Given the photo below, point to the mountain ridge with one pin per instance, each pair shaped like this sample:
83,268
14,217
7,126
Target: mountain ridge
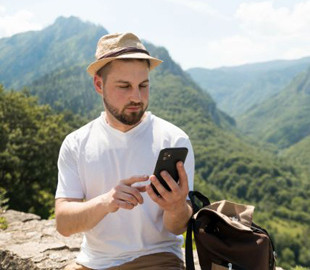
284,118
237,89
46,50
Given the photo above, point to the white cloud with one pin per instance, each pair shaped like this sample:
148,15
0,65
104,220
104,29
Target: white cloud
264,20
20,21
297,52
267,33
199,6
2,9
235,50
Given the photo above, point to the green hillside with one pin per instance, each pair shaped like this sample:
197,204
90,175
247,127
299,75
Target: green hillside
227,165
283,119
299,153
236,89
67,88
27,56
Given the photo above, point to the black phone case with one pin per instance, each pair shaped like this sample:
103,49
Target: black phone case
167,161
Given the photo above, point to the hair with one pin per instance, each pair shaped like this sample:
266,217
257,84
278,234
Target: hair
103,72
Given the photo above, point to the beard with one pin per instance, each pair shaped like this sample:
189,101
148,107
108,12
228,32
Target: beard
126,119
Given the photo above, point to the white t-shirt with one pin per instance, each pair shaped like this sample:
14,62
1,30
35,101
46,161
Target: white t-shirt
93,159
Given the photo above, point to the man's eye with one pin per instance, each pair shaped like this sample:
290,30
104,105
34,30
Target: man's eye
124,86
144,85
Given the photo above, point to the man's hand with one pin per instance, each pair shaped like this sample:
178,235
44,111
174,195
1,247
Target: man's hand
75,215
176,210
124,195
174,199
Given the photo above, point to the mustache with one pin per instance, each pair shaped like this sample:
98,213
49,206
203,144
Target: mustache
136,104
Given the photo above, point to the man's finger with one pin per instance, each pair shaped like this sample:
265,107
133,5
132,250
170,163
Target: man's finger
153,195
158,186
130,191
141,188
183,183
172,184
129,198
124,204
135,179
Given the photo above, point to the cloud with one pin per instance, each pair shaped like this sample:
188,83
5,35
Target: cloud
267,33
20,21
235,50
199,6
265,20
2,9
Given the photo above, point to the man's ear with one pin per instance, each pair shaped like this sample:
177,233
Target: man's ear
98,83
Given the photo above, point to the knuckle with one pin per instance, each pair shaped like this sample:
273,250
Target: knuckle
117,188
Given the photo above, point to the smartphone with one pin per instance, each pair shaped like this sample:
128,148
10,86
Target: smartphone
167,160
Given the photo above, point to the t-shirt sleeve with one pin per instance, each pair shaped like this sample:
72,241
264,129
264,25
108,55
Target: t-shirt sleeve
69,182
189,162
190,166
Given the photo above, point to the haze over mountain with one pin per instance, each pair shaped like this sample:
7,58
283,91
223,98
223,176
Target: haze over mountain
227,165
236,89
283,119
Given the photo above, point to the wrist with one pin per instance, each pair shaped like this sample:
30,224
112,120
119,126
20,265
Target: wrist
183,209
176,220
106,205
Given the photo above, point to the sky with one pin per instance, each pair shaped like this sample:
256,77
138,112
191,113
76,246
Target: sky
197,33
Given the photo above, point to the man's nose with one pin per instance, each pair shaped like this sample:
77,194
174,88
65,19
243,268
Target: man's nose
136,94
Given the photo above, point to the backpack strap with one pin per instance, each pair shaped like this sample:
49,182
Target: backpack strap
193,195
189,258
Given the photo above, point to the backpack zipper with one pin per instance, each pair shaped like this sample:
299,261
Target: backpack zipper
230,266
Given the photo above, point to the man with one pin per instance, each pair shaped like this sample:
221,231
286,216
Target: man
105,170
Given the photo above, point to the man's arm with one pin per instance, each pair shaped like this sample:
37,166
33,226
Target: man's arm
75,215
176,221
177,210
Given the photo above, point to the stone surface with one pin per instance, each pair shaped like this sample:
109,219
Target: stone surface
30,243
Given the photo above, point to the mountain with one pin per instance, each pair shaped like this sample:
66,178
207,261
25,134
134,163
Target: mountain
30,55
228,165
236,89
299,153
283,119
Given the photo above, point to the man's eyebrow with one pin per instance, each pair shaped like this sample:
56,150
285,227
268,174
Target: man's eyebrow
122,81
145,81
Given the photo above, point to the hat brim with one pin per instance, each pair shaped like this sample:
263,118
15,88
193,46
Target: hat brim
96,65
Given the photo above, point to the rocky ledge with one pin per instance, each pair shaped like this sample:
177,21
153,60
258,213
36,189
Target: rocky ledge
31,243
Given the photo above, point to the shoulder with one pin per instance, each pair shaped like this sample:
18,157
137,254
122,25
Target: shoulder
167,127
77,137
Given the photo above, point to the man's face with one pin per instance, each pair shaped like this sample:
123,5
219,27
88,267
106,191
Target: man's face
125,92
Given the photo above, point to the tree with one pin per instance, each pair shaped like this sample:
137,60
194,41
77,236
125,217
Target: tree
31,136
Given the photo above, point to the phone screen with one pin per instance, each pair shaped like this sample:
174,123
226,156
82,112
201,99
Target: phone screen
167,160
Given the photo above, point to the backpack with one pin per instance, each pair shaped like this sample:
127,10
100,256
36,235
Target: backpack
226,237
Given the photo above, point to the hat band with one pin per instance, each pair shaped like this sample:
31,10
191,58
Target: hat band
122,51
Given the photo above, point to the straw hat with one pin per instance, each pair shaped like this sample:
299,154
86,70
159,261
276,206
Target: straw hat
120,46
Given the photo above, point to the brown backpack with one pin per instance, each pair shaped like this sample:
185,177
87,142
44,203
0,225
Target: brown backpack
226,237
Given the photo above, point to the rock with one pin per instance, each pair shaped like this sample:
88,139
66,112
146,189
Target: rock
30,243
